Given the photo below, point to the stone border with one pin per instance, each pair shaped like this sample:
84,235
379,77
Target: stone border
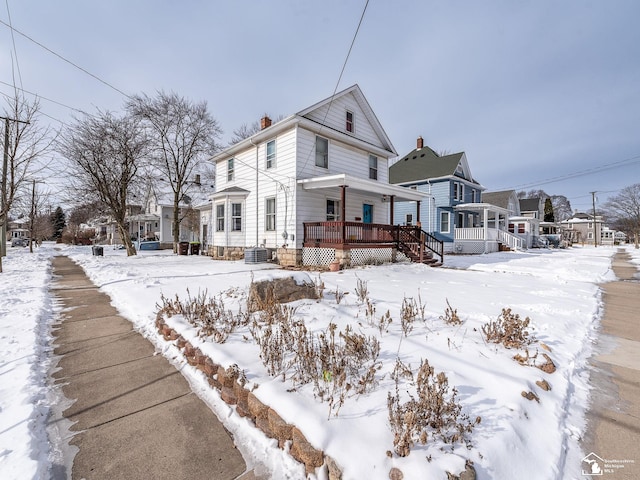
265,418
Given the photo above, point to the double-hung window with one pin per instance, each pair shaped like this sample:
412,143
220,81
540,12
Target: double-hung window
236,217
444,222
373,167
271,154
322,152
458,191
270,214
350,122
230,170
220,218
333,210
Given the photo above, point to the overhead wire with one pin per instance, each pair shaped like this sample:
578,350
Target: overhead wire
590,171
13,40
65,59
335,89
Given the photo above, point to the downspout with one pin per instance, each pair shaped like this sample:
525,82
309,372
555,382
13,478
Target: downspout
257,199
227,218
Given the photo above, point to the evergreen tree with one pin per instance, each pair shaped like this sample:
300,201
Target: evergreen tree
548,211
58,221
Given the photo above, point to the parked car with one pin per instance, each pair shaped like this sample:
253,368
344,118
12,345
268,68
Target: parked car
19,242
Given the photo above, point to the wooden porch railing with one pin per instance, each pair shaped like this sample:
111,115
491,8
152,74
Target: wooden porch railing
358,233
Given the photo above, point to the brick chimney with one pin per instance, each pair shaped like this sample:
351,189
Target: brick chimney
265,122
420,143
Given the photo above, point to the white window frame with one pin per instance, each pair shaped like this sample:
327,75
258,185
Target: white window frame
236,217
373,167
220,218
458,191
230,170
324,156
270,214
335,216
446,214
270,158
408,219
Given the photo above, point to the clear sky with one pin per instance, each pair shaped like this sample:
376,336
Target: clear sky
532,90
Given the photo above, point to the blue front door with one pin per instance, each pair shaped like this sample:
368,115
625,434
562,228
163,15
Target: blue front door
367,213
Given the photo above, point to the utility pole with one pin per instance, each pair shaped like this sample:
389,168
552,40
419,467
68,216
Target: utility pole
3,207
595,225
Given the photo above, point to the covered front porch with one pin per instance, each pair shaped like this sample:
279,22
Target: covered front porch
361,240
490,235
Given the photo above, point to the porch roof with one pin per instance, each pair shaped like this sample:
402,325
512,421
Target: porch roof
144,217
364,185
482,207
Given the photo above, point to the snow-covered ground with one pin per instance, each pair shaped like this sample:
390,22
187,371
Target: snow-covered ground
516,438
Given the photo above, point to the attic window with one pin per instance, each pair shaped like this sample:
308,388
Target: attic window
414,157
350,122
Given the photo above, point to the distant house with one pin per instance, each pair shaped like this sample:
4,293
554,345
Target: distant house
18,229
587,229
153,221
310,189
523,224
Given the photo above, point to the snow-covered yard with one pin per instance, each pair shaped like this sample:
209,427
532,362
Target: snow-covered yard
516,437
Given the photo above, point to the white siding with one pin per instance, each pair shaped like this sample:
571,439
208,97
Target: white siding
342,159
334,113
278,182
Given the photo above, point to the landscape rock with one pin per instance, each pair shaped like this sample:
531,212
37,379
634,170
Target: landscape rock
281,290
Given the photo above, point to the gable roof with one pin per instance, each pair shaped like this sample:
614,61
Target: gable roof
530,204
424,164
306,120
364,106
499,199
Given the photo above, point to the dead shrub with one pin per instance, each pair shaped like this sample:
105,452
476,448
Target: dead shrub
208,315
433,412
450,316
408,315
509,330
362,290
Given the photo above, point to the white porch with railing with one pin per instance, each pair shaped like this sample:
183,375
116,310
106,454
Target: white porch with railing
488,237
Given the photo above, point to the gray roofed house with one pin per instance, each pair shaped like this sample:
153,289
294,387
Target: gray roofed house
532,207
447,180
506,199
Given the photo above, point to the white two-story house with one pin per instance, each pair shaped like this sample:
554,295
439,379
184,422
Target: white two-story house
309,189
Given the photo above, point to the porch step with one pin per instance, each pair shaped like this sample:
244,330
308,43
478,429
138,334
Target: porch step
428,258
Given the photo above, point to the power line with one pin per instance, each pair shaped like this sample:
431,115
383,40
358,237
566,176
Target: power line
581,173
13,40
45,98
64,59
335,89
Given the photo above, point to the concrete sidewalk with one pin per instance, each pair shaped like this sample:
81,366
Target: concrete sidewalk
613,432
135,414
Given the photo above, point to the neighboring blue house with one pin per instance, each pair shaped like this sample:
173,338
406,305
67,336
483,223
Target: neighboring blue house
450,185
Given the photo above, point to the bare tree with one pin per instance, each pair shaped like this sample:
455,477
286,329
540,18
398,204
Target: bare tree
107,152
26,145
183,135
624,211
40,226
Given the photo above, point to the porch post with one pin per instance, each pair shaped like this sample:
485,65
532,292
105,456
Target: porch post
343,210
486,226
391,197
418,222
